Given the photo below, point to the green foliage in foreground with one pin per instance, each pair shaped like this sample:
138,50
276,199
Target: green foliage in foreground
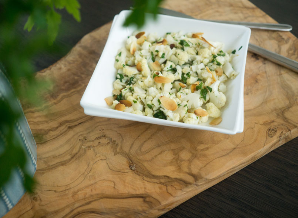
17,53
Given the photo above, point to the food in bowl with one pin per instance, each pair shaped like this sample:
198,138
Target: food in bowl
178,77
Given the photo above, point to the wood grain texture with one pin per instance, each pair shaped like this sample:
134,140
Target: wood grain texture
90,166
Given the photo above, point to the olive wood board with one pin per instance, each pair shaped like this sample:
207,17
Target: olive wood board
99,167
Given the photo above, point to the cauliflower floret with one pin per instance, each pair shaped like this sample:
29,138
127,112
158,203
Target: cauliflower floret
120,58
223,78
181,110
148,112
191,118
118,85
129,41
152,91
174,59
221,59
114,104
216,97
182,93
212,110
152,37
145,68
191,80
222,87
182,56
205,52
229,71
129,71
167,88
194,100
138,112
149,82
146,45
128,109
136,105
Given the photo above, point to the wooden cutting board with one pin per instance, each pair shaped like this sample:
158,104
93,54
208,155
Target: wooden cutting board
91,166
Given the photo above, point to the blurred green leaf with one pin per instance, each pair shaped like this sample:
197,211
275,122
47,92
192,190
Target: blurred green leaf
54,20
29,24
140,8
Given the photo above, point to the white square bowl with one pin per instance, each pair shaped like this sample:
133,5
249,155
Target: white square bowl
101,83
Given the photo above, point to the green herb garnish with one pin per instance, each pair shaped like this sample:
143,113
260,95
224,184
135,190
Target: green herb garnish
120,77
160,115
184,43
131,89
234,51
163,55
135,101
117,60
200,86
119,97
159,102
239,48
154,75
152,57
130,81
119,54
209,88
150,106
221,53
204,93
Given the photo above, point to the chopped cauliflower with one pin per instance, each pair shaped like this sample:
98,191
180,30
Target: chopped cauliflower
169,77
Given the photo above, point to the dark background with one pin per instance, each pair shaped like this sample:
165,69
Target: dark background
266,188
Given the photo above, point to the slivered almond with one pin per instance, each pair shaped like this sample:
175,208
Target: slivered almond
109,100
162,79
120,107
156,66
200,112
209,71
197,35
168,103
141,40
205,40
133,48
139,67
163,42
216,121
116,92
126,103
182,85
193,88
140,34
219,71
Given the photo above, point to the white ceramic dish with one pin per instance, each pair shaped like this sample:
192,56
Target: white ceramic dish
101,83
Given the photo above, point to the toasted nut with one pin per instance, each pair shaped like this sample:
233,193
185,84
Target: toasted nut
216,121
156,66
168,103
163,42
212,73
197,35
200,112
182,85
207,42
139,67
141,40
219,71
190,110
140,34
172,46
193,88
162,79
116,92
133,48
126,103
120,107
109,100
